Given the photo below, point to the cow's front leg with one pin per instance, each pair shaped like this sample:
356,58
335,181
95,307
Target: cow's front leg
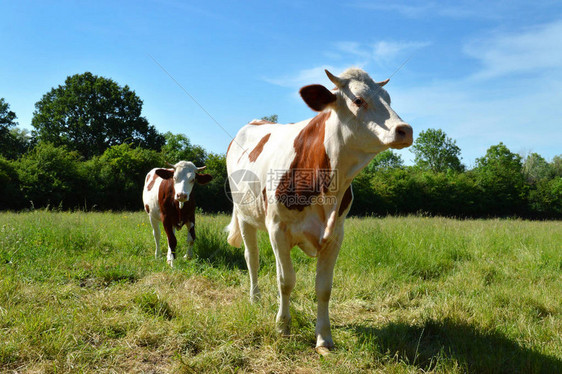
285,277
156,233
172,243
190,241
324,278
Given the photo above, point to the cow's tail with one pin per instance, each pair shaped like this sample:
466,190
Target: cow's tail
234,234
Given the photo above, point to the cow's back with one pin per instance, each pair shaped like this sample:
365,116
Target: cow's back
150,191
253,158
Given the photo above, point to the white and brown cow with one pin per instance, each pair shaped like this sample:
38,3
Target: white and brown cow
167,199
300,175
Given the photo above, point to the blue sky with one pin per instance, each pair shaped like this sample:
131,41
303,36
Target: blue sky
482,71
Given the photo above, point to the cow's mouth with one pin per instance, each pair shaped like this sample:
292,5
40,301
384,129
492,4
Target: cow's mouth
401,145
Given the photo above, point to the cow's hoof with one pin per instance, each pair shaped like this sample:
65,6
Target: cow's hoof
323,351
284,329
255,297
283,324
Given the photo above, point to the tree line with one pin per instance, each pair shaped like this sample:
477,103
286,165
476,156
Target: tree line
90,148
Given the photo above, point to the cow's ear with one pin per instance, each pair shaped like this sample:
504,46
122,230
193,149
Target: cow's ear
317,97
203,178
165,173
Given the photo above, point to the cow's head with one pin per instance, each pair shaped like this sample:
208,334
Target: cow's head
364,106
184,174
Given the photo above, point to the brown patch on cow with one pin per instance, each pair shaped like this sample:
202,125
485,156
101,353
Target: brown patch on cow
259,122
151,184
229,144
253,156
170,213
242,155
147,208
345,201
309,174
264,193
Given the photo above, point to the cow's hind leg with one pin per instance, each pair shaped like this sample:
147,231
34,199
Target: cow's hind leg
251,254
172,243
285,277
156,233
190,241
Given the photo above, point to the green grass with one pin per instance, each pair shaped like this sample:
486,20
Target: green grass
81,292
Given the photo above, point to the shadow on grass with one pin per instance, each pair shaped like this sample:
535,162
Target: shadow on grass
215,250
436,342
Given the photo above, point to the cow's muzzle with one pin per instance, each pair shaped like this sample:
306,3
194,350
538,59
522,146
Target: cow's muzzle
181,198
403,136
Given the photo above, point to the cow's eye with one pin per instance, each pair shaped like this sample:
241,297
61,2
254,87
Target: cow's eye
358,101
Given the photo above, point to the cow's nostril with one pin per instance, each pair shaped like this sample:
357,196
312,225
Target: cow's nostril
403,131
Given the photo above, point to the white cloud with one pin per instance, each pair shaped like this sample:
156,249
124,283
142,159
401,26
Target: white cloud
386,53
461,9
381,51
305,77
525,118
532,51
353,48
514,95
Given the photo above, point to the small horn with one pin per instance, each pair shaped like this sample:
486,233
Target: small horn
335,80
201,168
170,165
383,82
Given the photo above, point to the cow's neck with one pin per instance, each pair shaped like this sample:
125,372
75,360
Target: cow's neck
345,156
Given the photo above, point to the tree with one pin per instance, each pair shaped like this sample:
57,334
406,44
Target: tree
556,165
434,151
178,148
212,196
499,174
272,118
8,143
50,175
535,168
116,178
7,117
20,142
384,161
10,196
90,114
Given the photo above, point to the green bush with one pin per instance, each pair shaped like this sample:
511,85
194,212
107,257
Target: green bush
116,178
50,176
10,196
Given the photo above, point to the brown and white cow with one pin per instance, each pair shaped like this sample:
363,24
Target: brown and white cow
295,181
167,199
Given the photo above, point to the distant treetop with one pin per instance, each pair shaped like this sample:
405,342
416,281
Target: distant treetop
90,114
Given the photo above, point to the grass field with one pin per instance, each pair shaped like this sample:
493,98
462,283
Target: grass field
81,292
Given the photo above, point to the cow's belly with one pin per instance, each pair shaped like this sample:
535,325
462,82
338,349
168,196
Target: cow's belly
253,215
